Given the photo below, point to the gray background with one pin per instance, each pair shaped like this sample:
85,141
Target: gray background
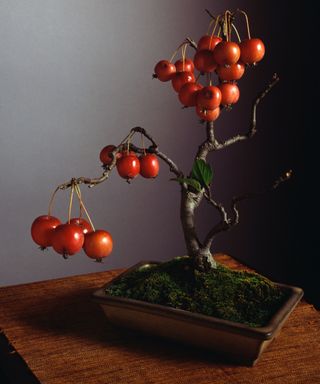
75,76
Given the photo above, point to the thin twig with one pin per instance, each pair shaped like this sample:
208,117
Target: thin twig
91,182
210,14
218,206
253,128
236,200
225,224
192,43
210,144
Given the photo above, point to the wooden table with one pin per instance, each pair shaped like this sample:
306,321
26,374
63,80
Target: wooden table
54,333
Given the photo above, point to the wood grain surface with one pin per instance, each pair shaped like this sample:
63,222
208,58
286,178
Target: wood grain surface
64,338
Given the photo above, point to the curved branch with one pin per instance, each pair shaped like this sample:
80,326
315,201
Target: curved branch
210,14
236,200
218,206
210,144
192,43
225,224
121,147
144,133
253,128
172,166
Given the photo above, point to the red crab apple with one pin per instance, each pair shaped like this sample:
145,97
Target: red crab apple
209,97
184,65
188,94
105,157
252,51
229,93
164,70
226,53
207,114
208,42
67,239
181,78
128,166
98,244
149,166
204,61
83,224
42,229
232,72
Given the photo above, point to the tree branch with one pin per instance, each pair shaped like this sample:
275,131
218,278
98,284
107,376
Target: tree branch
236,200
125,143
172,166
218,206
210,14
210,144
192,43
225,224
253,128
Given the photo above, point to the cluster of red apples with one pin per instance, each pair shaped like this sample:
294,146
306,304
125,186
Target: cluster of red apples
77,233
129,165
224,57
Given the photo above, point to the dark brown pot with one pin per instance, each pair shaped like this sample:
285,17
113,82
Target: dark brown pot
237,342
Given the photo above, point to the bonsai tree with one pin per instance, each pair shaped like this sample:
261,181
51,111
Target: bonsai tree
220,62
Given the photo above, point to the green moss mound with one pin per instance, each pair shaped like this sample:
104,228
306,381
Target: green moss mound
239,296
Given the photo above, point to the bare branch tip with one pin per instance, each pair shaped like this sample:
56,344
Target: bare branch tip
210,14
191,42
288,174
284,177
275,77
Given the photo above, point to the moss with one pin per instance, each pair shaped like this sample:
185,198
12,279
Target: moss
239,296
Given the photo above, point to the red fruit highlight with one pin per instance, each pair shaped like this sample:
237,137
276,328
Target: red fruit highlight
98,244
164,70
42,229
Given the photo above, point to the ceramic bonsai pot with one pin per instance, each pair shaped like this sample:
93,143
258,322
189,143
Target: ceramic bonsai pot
237,342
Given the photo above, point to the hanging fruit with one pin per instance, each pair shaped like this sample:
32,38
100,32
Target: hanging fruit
220,62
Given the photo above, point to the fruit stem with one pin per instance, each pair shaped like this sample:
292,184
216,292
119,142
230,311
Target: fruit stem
214,20
52,199
143,145
236,31
183,54
176,51
78,192
228,16
209,26
247,22
71,200
214,29
225,26
80,206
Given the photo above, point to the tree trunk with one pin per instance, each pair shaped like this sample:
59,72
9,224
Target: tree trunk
202,257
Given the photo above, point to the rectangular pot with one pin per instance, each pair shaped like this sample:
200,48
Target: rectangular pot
237,342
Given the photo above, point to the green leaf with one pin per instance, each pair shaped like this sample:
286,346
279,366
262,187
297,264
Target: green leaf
192,182
202,172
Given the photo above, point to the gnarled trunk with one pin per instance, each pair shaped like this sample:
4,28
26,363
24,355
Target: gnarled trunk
201,255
